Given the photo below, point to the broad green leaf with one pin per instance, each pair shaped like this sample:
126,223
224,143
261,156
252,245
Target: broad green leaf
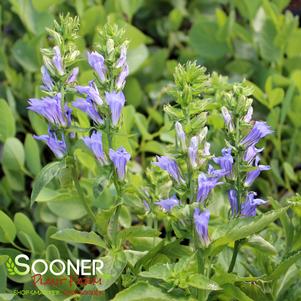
154,147
45,4
204,39
48,172
146,292
201,282
136,57
114,264
92,17
24,225
25,53
74,236
32,154
244,227
230,290
259,243
3,259
13,157
133,92
289,171
284,266
7,121
34,21
275,97
137,231
141,123
7,228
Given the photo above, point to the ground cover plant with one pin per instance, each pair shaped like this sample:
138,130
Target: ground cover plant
186,194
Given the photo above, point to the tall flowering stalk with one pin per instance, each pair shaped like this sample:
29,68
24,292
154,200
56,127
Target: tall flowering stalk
101,99
243,135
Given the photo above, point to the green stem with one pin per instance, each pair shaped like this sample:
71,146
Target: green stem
234,256
81,193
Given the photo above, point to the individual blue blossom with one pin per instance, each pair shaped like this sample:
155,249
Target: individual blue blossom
201,221
58,147
97,62
225,161
251,153
116,101
205,185
122,77
227,119
259,130
91,91
87,106
120,157
248,116
94,143
248,208
181,135
253,174
168,204
170,166
57,60
51,108
146,205
73,76
122,59
193,151
46,79
218,173
232,195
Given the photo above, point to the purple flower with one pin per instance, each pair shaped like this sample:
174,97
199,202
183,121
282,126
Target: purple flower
46,79
94,143
193,151
251,152
122,59
57,60
87,106
120,157
51,109
181,135
116,101
73,76
146,205
226,161
218,173
58,147
168,204
96,61
91,91
206,149
248,116
259,130
122,77
201,220
232,195
248,208
227,119
205,185
170,166
252,175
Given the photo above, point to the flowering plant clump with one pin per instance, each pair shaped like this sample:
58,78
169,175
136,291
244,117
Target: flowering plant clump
184,225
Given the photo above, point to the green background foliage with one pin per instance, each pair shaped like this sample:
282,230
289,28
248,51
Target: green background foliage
258,40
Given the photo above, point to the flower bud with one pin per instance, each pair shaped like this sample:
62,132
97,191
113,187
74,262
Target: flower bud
181,135
227,119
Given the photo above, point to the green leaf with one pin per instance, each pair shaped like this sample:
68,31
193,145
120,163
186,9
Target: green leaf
3,259
283,266
259,243
141,123
13,157
91,18
230,290
7,228
275,97
204,40
136,57
35,22
114,264
154,147
32,154
24,225
146,291
289,171
7,121
201,282
244,227
137,231
48,172
74,236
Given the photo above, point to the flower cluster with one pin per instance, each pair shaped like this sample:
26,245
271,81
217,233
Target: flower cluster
102,99
195,172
